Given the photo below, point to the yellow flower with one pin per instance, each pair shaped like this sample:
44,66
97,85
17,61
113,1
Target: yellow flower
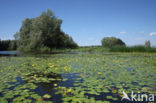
51,66
69,90
35,75
55,84
99,73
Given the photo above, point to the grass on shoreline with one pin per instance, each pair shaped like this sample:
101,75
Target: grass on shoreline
98,49
113,49
133,49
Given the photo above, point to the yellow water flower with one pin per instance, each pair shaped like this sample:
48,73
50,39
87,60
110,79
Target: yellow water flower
69,90
51,66
55,84
99,73
35,75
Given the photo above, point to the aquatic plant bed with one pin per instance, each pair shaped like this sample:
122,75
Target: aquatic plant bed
76,78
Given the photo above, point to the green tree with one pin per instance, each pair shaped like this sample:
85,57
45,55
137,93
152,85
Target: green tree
13,45
5,44
17,36
112,42
147,44
43,31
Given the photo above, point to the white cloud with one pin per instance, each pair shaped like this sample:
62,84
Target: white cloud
122,32
152,34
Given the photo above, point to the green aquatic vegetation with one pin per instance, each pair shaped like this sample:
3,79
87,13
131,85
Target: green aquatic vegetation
19,99
106,102
46,96
9,94
77,78
3,100
105,90
109,97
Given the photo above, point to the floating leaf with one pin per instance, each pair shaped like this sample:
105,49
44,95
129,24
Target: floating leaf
47,96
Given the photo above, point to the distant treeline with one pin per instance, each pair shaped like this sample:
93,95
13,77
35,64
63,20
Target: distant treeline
117,45
8,45
139,48
113,44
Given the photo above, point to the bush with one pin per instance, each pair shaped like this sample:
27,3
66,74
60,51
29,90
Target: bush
112,42
44,49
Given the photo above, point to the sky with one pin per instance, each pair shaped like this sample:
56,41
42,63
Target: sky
87,21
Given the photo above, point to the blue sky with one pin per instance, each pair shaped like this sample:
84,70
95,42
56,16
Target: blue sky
87,21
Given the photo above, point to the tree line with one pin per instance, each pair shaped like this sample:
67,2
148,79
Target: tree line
8,45
110,42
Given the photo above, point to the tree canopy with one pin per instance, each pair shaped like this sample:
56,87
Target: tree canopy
8,45
112,42
41,32
147,44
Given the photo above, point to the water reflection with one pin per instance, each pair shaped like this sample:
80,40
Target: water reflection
9,53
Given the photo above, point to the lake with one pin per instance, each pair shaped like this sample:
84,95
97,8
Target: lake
75,77
9,53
